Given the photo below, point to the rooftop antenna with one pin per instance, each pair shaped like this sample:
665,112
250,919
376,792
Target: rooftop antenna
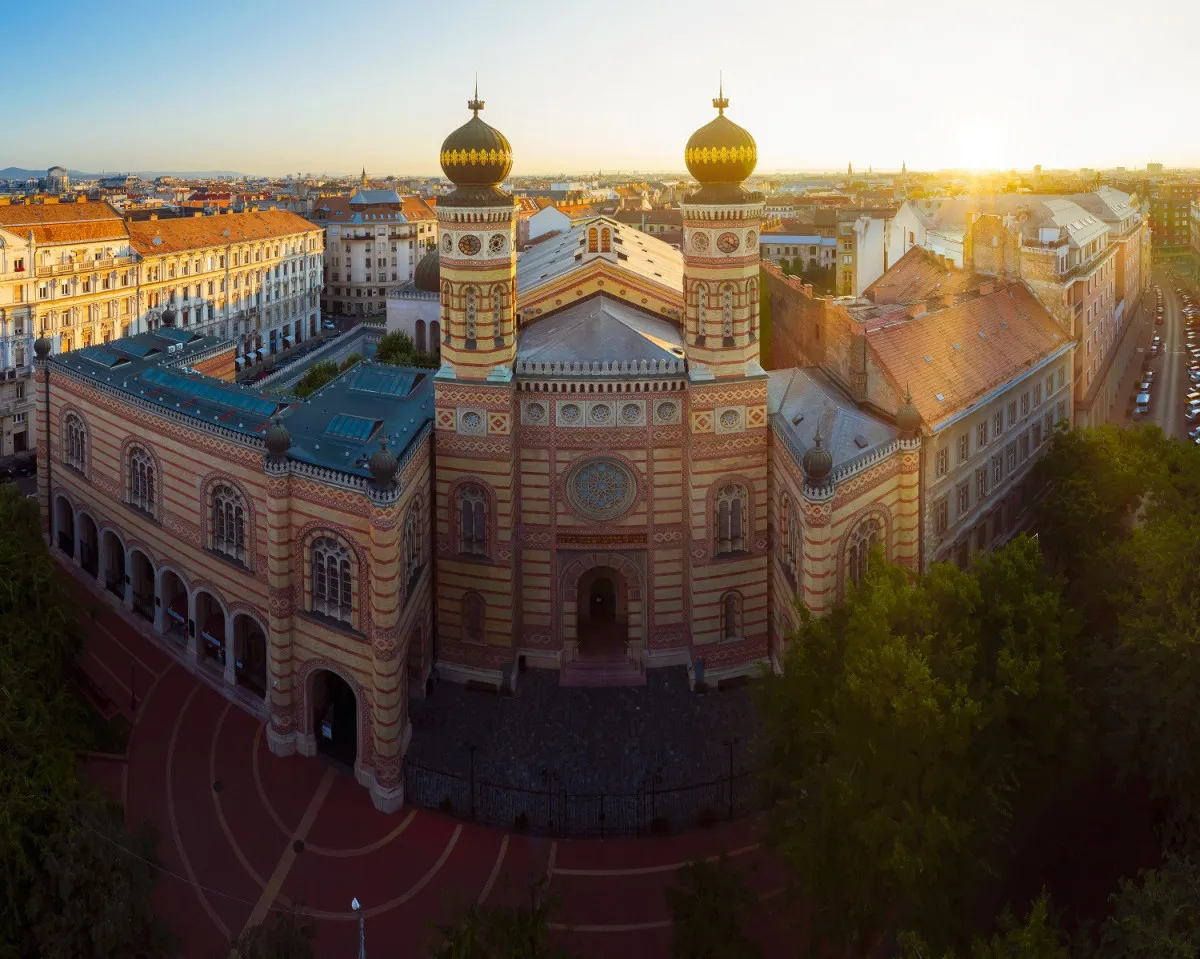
721,102
475,103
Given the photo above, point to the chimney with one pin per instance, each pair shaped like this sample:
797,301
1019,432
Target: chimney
915,309
949,299
154,216
987,289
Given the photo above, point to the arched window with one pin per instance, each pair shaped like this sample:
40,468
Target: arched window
473,618
701,312
435,337
731,616
497,312
471,310
727,312
865,535
789,538
420,337
752,288
332,584
472,521
414,542
229,523
592,239
141,480
606,240
731,519
75,442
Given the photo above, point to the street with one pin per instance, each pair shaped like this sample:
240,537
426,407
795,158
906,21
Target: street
1170,369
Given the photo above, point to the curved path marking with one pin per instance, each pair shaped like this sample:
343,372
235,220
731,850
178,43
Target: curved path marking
630,927
132,655
401,899
187,865
649,870
495,873
313,847
212,777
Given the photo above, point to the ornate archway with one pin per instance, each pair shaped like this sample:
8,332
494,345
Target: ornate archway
584,584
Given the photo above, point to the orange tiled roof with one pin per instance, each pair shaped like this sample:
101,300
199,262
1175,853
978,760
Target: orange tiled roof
63,222
189,233
415,208
965,351
917,276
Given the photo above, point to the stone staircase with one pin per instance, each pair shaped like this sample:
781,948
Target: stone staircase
602,672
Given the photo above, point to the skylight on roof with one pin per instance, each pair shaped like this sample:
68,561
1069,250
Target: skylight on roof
354,428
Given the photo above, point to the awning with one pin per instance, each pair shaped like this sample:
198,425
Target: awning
240,361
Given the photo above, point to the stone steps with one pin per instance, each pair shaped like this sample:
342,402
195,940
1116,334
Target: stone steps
583,672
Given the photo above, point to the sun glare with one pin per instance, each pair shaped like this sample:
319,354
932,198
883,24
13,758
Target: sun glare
980,146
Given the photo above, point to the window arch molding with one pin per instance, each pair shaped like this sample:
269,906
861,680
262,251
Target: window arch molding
131,447
415,553
712,507
75,441
457,491
311,539
790,546
856,538
208,488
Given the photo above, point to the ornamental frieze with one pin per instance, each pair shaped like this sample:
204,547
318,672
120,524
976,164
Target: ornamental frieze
184,529
852,489
486,447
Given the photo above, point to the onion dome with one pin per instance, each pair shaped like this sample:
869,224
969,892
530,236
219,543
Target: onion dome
721,152
908,420
476,154
168,316
817,461
383,465
279,440
428,274
41,347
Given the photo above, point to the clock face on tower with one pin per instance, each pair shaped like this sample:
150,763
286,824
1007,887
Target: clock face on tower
727,242
497,243
468,245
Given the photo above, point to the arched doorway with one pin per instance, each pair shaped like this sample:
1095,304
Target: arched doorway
174,607
420,337
603,624
89,545
64,522
334,717
141,577
114,563
250,654
210,630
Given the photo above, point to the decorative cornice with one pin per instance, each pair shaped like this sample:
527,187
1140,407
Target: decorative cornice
598,368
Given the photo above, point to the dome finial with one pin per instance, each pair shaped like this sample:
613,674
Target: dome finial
475,103
722,101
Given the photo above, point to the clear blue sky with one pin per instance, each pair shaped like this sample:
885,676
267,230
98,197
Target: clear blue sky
277,86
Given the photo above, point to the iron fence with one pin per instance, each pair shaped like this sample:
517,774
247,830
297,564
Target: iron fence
556,811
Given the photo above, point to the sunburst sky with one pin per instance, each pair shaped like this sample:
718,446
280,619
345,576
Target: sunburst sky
279,86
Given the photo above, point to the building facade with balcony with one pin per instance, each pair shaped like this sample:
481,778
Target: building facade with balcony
373,241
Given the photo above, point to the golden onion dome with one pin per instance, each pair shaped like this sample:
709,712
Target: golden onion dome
476,154
721,151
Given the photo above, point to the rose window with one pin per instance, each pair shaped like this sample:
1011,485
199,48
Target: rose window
601,414
730,419
630,412
570,413
472,420
535,412
700,242
666,411
601,488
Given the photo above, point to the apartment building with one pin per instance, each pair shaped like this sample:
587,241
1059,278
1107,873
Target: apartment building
373,241
1170,212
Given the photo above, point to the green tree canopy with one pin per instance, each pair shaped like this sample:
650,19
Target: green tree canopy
1156,917
709,912
502,932
397,348
281,935
315,377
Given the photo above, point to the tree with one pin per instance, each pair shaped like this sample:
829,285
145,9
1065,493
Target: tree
898,731
1038,937
397,348
502,932
709,909
282,935
1157,917
317,376
349,361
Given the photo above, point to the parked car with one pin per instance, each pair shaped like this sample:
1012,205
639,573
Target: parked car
1142,405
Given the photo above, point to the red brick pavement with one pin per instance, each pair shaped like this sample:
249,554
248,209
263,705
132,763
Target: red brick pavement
222,846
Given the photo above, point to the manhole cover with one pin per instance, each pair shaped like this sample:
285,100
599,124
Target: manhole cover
218,786
298,846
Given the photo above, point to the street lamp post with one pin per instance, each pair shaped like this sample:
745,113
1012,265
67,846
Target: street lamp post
362,939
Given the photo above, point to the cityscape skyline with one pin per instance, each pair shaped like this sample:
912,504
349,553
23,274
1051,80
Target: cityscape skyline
898,97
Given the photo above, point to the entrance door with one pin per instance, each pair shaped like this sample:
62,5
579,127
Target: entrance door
335,718
603,601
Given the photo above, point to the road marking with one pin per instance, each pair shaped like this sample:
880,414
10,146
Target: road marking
183,857
262,793
116,679
146,699
487,888
650,870
288,859
132,655
550,861
212,778
370,847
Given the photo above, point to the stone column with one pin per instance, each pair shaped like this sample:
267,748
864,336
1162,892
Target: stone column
191,629
75,528
127,598
101,560
160,611
381,594
283,695
230,653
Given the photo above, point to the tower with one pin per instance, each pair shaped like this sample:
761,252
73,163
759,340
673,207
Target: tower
727,396
477,509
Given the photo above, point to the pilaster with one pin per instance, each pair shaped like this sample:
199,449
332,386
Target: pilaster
389,726
283,694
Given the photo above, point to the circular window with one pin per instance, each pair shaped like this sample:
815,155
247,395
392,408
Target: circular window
535,412
666,411
630,412
751,240
601,414
497,243
469,245
601,488
730,419
700,242
471,420
570,413
727,242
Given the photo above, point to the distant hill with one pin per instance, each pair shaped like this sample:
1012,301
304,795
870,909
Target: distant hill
19,173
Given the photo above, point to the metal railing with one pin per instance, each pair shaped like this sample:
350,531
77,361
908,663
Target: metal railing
556,811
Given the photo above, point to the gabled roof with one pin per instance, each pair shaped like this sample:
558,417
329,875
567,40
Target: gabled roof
951,357
63,222
194,232
919,276
364,197
599,329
